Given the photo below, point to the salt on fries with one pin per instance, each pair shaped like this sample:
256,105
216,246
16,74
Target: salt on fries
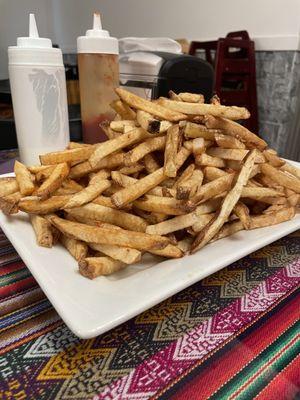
174,175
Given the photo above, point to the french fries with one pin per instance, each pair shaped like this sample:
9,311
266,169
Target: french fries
234,113
54,181
91,267
124,254
110,215
172,143
152,108
78,249
234,129
171,169
229,203
96,186
110,146
125,238
8,186
23,178
43,231
78,154
150,124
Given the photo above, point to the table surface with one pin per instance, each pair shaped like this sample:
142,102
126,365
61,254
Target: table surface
233,335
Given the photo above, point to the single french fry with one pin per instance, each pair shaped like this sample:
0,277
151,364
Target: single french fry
233,112
76,248
191,97
124,181
169,251
188,187
228,142
123,110
78,154
192,131
23,178
43,230
243,214
171,149
76,145
10,204
110,215
8,186
96,186
227,206
93,234
282,178
206,160
54,181
118,126
176,223
214,188
234,129
148,106
47,206
291,170
165,205
110,146
273,159
124,254
92,267
132,169
150,124
233,154
259,192
109,162
146,147
151,163
211,173
274,218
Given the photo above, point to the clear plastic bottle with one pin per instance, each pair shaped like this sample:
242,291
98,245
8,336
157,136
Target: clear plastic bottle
98,64
39,95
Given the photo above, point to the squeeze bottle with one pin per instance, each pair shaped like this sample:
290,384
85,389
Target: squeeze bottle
39,96
98,69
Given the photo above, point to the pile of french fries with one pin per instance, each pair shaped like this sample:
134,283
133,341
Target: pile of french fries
174,175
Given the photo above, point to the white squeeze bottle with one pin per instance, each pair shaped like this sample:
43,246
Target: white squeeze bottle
39,96
98,67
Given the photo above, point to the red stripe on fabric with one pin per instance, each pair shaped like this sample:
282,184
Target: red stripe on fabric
222,369
8,269
285,385
17,287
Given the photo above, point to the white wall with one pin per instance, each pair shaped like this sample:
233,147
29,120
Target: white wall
274,23
191,19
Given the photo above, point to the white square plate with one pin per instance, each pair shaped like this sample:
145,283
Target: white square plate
90,308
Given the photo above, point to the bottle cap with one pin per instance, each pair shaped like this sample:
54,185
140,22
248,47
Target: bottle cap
34,50
97,40
33,40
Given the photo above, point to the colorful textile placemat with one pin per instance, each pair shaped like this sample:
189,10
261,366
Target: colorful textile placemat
233,335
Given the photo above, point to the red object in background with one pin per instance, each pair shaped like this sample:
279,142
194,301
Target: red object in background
233,59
